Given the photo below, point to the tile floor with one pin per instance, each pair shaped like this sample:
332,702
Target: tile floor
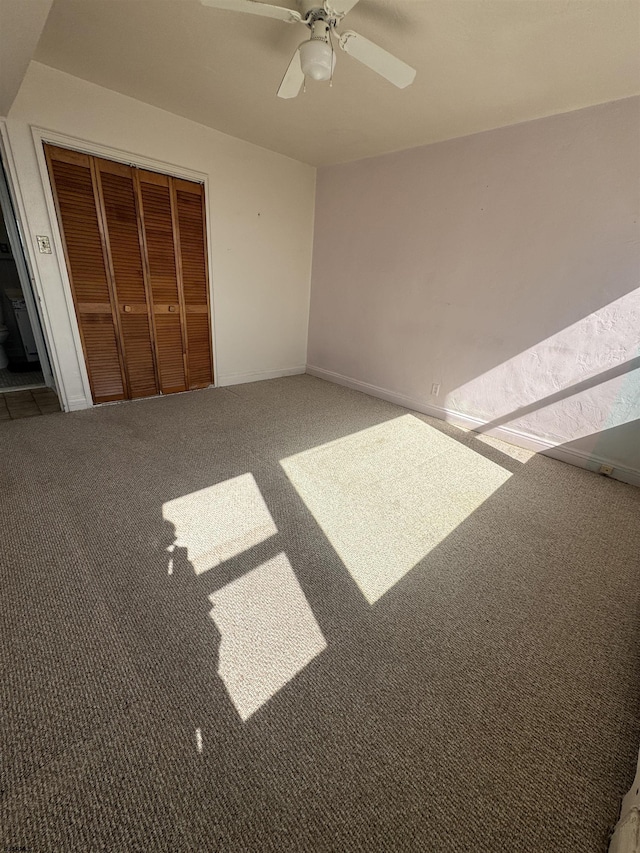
28,404
11,379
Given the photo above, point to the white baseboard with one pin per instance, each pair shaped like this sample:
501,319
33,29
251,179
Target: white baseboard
76,404
258,376
626,837
511,436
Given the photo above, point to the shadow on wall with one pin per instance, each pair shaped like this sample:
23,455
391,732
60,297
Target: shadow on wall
586,385
617,445
581,382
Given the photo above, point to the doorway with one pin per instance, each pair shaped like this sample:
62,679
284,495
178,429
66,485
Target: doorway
24,361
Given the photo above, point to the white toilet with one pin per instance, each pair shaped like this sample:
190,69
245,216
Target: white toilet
4,334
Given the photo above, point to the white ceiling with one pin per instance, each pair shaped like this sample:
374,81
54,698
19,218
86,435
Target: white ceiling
481,64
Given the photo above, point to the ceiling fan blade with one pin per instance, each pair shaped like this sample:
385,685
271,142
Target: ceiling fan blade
339,8
293,78
253,7
377,59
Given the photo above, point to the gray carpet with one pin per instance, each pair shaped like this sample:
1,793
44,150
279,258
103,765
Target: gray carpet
289,617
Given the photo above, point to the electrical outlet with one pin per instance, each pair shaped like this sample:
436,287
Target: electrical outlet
605,469
435,389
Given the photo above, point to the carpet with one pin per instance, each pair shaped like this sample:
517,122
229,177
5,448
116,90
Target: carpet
286,616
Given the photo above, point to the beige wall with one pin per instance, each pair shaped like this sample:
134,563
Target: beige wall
504,267
20,31
260,208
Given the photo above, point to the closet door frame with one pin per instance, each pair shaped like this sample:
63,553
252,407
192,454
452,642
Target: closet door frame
41,136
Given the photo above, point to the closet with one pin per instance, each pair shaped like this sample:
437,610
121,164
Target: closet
135,246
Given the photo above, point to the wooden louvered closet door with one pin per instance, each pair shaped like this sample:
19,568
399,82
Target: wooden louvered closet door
74,184
125,259
160,239
189,206
135,248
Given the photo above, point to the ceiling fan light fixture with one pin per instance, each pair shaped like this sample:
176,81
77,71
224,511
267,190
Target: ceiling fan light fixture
317,59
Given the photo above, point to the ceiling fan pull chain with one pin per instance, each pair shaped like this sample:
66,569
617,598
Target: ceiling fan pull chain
333,57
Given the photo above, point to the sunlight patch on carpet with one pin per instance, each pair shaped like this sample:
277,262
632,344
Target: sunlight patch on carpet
386,496
268,633
220,522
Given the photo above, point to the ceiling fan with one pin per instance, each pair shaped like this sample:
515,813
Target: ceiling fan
315,57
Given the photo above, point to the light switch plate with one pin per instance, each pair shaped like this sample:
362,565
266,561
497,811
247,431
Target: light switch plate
44,244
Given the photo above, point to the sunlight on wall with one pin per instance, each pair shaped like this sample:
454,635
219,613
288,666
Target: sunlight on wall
584,351
386,496
220,522
268,633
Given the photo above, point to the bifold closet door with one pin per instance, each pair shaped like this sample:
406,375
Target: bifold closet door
189,207
135,246
117,191
162,253
75,193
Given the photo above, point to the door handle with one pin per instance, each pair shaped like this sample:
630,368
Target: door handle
127,308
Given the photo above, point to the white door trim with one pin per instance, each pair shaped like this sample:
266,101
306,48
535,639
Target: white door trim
13,211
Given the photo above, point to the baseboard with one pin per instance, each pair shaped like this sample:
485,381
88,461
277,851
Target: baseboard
258,376
511,436
593,463
76,404
626,836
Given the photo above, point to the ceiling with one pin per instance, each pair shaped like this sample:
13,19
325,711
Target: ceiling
481,64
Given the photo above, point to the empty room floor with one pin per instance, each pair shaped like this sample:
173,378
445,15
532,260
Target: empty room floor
286,616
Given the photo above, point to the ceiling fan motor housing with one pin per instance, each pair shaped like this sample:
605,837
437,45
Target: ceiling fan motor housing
312,10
